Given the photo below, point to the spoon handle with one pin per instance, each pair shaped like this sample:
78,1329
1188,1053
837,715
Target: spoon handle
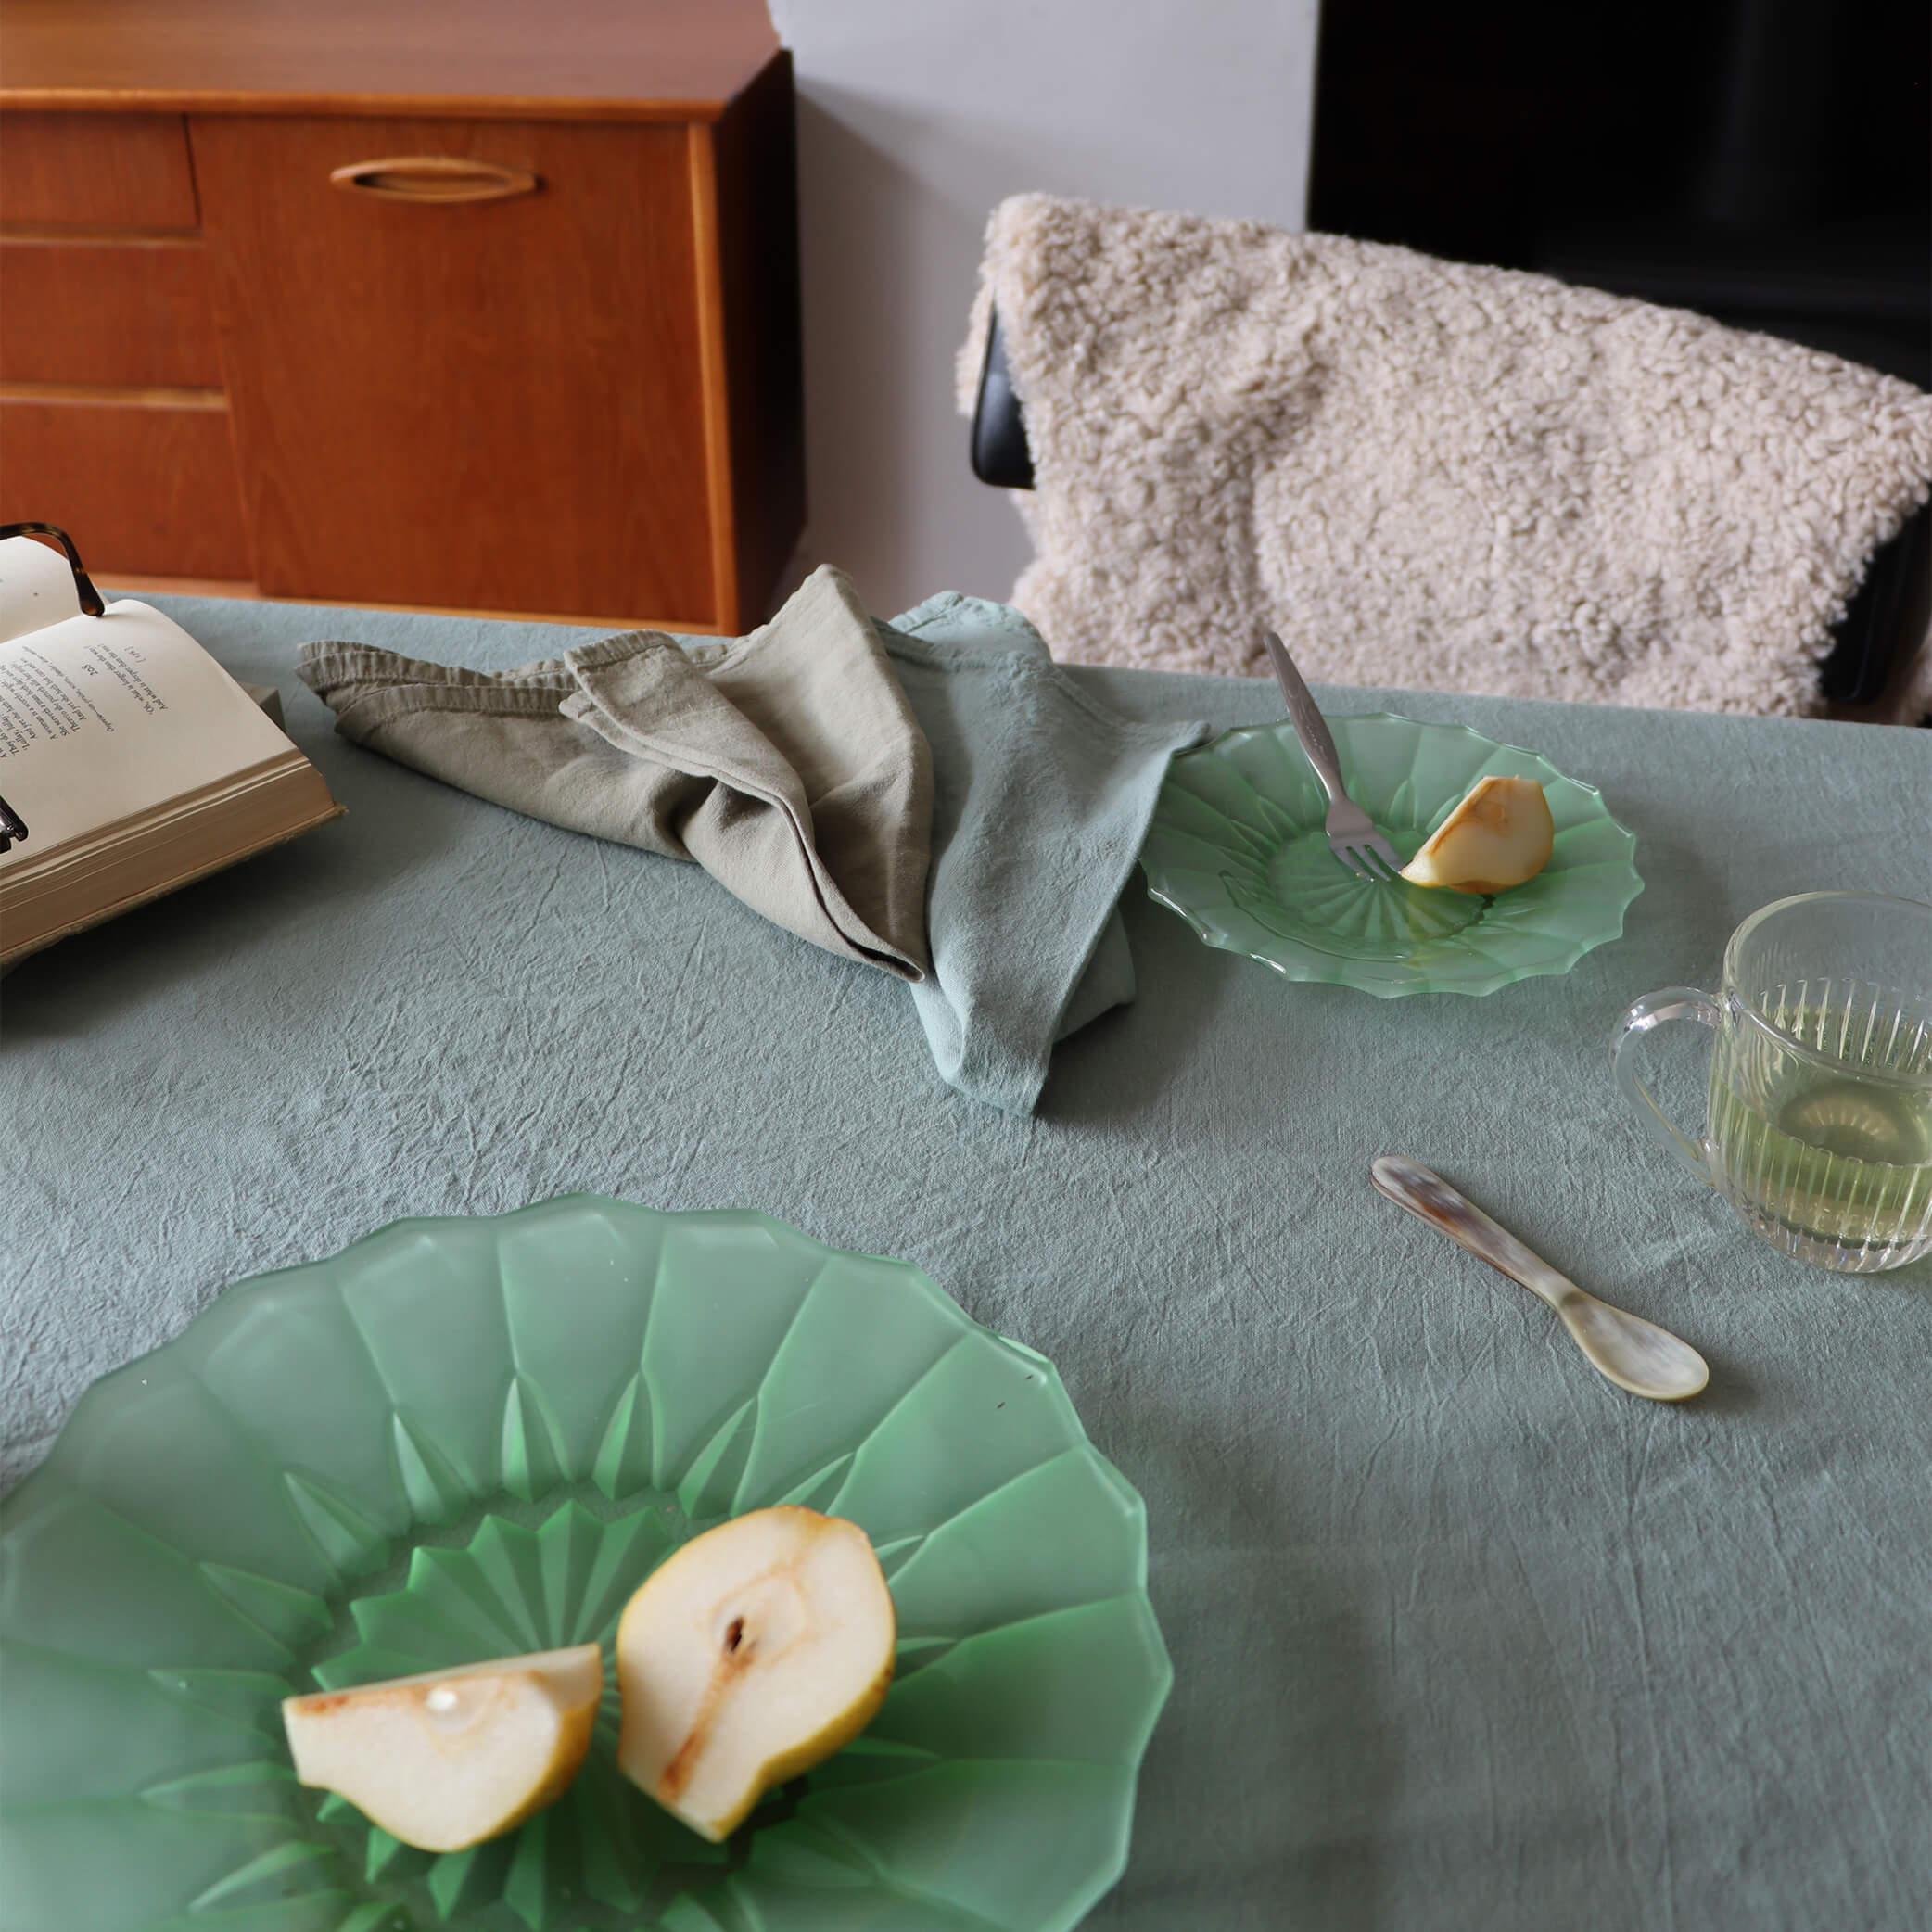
1414,1186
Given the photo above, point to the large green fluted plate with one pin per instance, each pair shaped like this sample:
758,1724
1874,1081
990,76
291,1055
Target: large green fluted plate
460,1439
1237,848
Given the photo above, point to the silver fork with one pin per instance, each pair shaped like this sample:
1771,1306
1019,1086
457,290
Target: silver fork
1351,834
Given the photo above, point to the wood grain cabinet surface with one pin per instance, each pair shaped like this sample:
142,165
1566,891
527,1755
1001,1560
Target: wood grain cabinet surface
482,306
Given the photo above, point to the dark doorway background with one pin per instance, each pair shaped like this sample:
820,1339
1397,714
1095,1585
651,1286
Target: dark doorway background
1767,162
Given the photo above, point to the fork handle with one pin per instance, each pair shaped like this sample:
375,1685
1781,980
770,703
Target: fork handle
1310,726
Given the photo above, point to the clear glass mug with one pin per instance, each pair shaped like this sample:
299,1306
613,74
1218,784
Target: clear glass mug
1818,1125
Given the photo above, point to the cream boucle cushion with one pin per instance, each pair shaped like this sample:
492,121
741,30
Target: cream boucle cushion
1427,473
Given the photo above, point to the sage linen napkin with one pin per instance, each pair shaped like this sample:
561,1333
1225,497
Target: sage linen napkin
933,795
1042,797
787,763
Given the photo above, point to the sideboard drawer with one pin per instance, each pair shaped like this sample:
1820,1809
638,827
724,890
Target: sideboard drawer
136,312
481,404
147,488
95,171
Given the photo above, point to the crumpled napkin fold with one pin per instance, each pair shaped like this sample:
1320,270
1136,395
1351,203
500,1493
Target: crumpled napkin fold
1042,802
787,763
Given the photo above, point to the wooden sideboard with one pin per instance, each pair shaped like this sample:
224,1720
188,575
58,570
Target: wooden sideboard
466,304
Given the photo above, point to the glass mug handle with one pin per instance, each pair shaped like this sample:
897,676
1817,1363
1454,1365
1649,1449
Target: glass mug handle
1650,1012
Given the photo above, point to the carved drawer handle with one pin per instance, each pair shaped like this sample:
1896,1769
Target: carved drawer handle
432,177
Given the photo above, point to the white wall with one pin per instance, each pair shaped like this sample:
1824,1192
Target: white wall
915,117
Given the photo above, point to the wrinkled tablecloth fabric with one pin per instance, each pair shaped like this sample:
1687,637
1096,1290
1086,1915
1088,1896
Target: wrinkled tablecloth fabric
1464,1638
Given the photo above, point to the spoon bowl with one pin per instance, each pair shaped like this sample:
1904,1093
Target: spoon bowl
1633,1353
1622,1347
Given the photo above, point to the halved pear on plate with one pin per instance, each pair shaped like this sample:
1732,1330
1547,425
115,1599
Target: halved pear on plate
748,1656
1500,835
449,1758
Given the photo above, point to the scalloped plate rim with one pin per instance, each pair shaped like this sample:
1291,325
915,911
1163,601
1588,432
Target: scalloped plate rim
18,1506
1300,970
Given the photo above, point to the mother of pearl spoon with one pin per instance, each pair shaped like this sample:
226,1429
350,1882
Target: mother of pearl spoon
1633,1353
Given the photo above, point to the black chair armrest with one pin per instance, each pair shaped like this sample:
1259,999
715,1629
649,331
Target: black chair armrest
999,453
1869,637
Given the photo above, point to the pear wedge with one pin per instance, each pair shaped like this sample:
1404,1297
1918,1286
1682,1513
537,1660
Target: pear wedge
449,1758
748,1656
1500,835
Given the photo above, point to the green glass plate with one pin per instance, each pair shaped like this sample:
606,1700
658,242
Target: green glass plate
460,1439
1237,848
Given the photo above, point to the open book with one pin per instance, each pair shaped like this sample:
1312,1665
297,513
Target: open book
130,761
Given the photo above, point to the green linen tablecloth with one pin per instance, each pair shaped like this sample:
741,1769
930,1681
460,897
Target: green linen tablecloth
1462,1635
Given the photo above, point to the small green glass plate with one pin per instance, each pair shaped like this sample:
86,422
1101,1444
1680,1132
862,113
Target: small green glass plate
1237,848
463,1439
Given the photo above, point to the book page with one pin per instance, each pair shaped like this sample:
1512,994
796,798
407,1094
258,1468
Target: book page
104,717
36,587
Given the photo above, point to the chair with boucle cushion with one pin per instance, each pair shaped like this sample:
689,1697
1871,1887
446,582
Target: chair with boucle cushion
1427,473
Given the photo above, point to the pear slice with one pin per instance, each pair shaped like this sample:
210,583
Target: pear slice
746,1656
1499,836
449,1758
